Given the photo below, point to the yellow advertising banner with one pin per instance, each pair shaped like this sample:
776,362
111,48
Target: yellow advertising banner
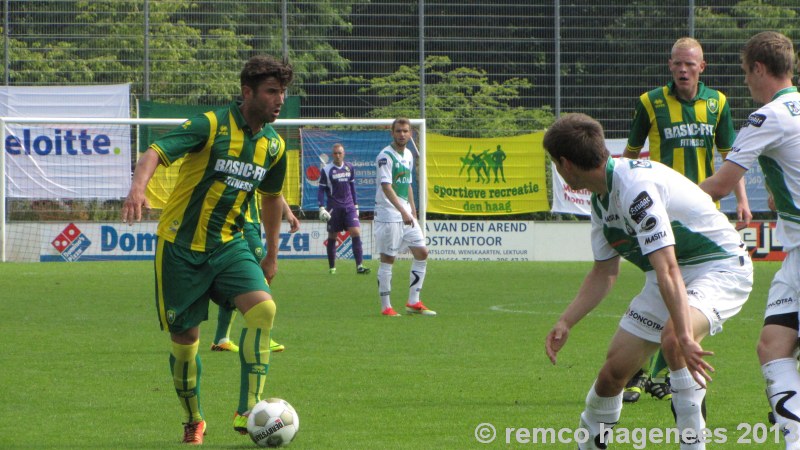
486,176
160,186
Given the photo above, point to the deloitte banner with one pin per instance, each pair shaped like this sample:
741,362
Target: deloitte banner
486,176
56,161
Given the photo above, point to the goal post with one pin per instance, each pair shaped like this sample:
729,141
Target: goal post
28,146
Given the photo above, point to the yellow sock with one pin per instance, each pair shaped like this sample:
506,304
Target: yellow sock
254,353
186,368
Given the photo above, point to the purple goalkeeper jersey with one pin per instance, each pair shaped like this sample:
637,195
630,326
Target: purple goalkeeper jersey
339,184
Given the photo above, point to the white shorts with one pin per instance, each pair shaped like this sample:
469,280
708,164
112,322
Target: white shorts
392,237
784,293
718,289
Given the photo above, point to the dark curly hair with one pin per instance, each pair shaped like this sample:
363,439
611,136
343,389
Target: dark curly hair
260,67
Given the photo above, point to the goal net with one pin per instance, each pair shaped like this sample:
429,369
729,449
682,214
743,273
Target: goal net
64,181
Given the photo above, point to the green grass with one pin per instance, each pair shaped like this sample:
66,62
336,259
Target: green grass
85,366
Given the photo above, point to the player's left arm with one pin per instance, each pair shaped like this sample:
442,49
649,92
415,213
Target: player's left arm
353,188
724,137
294,222
272,208
411,201
673,293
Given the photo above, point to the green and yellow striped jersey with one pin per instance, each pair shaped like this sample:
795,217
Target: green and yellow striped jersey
224,166
683,134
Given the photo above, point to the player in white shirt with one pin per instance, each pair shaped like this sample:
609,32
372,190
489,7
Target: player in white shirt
395,222
772,136
698,273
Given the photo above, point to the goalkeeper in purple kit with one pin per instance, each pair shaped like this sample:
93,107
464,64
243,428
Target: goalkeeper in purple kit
337,181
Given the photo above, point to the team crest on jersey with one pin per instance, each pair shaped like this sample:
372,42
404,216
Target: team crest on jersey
640,164
793,107
713,105
171,316
274,146
756,119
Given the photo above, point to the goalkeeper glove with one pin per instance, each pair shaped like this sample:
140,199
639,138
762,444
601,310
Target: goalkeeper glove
324,215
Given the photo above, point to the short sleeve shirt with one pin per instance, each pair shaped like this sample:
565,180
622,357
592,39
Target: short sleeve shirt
396,169
650,206
771,135
683,134
225,164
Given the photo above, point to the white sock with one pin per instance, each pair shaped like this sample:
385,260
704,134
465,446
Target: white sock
783,393
688,406
385,285
601,413
417,277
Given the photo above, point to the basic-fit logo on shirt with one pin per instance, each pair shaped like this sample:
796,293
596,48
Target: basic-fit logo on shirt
71,243
240,169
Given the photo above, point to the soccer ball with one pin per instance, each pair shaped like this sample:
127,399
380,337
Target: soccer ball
272,423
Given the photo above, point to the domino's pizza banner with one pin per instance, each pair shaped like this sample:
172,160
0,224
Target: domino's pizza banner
55,161
567,200
361,147
92,241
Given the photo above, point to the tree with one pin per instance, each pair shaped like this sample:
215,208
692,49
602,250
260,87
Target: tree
459,101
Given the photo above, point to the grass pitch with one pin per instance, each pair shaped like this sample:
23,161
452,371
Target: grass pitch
85,366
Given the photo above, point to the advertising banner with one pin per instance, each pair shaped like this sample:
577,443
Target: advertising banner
761,241
57,161
361,147
486,176
480,240
92,241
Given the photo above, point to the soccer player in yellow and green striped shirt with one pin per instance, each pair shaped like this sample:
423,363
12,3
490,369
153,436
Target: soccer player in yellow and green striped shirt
684,121
229,154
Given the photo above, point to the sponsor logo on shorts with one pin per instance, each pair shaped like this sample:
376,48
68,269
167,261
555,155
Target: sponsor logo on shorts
646,321
779,302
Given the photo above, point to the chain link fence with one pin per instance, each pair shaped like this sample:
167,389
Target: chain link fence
472,68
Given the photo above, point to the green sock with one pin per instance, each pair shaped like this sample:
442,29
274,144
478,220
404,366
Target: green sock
224,323
658,367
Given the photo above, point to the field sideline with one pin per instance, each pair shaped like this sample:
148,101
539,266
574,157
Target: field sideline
85,365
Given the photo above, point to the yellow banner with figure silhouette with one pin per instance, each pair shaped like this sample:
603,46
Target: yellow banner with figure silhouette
486,176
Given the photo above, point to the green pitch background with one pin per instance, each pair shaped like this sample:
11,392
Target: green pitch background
85,366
